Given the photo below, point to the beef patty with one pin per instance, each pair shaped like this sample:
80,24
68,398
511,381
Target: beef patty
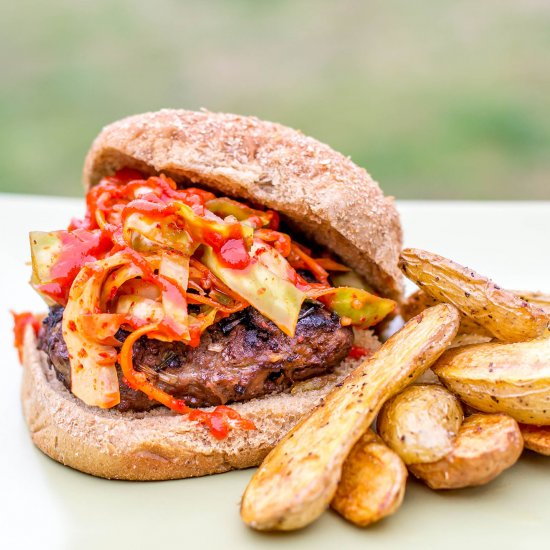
241,357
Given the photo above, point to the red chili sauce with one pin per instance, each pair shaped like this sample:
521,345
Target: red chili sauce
20,323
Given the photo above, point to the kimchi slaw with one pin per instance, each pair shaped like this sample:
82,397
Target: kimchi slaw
166,263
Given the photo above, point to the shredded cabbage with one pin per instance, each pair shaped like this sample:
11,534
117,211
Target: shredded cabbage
93,374
175,266
135,260
262,285
203,230
224,207
45,250
145,234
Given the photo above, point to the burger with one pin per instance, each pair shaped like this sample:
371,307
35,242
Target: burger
226,275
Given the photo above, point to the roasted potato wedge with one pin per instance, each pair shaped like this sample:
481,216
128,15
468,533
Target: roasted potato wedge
495,377
373,482
486,445
421,423
298,479
420,300
469,332
502,313
416,303
536,438
539,299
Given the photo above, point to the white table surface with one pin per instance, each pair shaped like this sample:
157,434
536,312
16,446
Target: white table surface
46,505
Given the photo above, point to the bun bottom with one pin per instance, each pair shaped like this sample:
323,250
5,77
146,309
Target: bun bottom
159,444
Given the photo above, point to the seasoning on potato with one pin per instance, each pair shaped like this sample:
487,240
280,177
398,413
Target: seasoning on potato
495,377
373,482
536,438
421,423
486,445
502,313
298,479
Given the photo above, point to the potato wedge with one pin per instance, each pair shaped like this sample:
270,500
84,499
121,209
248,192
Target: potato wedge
536,438
420,300
373,482
503,314
507,378
469,332
298,479
421,423
486,445
539,299
416,303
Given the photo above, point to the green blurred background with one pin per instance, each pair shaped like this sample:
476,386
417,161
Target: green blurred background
436,98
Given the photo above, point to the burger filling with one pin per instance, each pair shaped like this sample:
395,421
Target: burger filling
177,297
243,356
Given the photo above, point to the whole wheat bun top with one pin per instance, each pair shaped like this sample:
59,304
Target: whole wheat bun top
330,199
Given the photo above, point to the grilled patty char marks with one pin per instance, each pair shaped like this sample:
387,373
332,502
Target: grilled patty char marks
241,357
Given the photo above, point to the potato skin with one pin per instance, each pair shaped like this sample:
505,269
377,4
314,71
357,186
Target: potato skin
507,378
502,313
421,423
536,438
486,445
373,482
